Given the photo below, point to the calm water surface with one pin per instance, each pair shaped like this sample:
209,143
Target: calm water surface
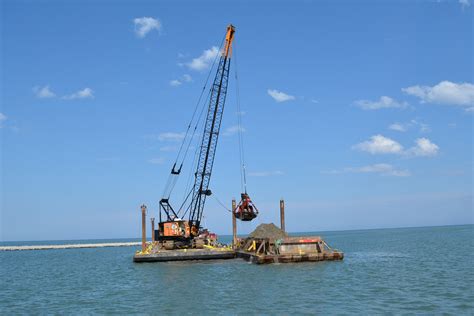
410,270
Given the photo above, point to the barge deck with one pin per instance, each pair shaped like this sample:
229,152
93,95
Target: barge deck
185,255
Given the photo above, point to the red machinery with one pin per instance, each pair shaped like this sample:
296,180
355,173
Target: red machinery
245,210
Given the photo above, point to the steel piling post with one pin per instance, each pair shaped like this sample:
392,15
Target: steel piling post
282,215
143,207
234,225
152,229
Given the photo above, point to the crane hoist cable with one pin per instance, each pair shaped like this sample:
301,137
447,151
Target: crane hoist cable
188,191
243,176
211,133
173,177
222,204
178,163
245,210
207,150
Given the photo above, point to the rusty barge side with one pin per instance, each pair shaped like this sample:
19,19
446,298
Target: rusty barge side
286,250
312,257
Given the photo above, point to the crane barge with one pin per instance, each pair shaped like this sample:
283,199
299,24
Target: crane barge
179,239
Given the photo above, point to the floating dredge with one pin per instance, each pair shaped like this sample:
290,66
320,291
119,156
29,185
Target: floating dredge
266,244
180,235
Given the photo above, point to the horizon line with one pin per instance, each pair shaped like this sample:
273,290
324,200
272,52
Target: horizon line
289,232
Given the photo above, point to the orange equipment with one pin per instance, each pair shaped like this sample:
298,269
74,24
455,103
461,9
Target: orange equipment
245,210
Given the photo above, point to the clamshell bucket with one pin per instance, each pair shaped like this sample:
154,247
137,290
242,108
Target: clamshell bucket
245,210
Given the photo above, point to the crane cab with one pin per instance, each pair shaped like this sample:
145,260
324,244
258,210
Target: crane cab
173,229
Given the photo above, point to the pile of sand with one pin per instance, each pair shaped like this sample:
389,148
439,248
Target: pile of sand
268,231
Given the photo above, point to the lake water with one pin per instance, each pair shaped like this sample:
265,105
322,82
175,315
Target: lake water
408,270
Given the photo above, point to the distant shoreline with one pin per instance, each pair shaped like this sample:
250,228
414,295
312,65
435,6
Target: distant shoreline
128,240
68,246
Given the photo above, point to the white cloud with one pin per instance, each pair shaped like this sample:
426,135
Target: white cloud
465,3
187,78
398,127
265,173
157,161
43,92
175,83
145,25
424,128
383,103
232,130
424,147
204,61
403,127
86,93
279,96
379,144
445,92
178,82
380,168
171,137
3,118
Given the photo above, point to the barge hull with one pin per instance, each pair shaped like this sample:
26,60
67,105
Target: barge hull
180,255
312,257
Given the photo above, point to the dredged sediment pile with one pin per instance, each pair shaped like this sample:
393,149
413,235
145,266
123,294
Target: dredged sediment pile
270,231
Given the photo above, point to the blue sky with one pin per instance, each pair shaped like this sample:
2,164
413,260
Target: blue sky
359,114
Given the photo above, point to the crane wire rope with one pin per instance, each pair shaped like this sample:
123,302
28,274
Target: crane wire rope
190,142
188,190
171,182
243,176
222,204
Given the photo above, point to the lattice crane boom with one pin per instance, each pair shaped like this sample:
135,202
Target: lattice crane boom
174,227
211,132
